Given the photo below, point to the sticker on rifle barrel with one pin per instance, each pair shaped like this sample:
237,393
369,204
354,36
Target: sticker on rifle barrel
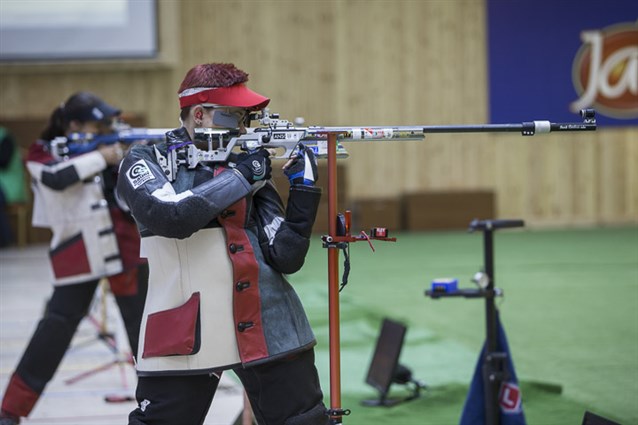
371,133
139,174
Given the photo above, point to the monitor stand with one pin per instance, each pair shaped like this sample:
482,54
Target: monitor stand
382,402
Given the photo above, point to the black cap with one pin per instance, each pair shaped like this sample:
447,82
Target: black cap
85,106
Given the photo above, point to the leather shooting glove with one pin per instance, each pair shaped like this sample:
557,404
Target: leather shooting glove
301,169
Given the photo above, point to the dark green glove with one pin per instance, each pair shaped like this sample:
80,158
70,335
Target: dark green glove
256,166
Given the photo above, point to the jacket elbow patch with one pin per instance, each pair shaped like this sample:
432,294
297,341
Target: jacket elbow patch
60,179
173,220
288,252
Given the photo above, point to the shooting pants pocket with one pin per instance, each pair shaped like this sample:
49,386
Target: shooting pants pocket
174,332
70,258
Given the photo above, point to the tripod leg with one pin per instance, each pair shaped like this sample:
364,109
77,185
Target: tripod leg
112,339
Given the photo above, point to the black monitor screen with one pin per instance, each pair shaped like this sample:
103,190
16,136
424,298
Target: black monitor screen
386,355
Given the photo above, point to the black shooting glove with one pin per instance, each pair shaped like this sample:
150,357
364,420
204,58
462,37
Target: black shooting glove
256,166
302,168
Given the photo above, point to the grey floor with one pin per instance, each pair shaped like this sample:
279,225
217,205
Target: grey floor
90,371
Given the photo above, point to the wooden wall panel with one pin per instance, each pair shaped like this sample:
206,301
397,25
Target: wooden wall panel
617,171
355,62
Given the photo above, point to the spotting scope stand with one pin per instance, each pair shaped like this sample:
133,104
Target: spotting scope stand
340,240
494,371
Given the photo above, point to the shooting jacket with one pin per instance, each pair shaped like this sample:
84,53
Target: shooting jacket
91,237
218,249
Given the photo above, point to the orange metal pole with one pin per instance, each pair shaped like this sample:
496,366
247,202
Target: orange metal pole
333,282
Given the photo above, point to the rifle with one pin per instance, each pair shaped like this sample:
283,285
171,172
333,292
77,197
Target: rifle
284,137
81,143
279,134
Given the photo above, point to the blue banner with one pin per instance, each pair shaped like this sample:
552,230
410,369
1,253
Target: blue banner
510,399
550,58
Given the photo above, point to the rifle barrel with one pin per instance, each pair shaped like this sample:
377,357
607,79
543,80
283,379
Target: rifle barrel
474,128
418,132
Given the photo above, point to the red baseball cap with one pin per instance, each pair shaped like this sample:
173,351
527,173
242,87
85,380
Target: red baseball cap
237,95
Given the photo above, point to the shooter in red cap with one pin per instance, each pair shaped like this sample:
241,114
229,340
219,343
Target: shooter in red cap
219,243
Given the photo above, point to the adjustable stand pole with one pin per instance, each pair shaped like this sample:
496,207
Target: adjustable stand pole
333,286
491,384
493,369
333,242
